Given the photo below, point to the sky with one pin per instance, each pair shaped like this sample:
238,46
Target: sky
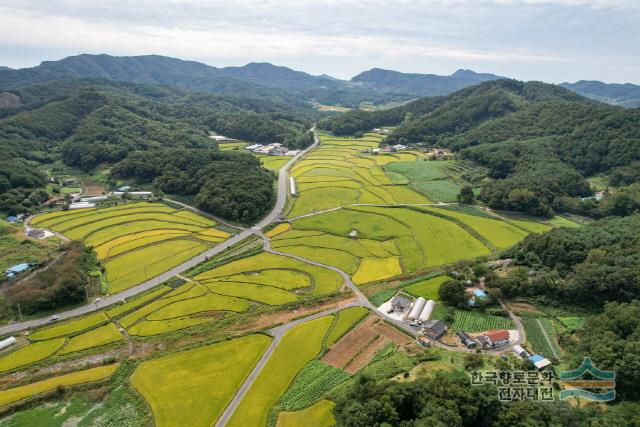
552,41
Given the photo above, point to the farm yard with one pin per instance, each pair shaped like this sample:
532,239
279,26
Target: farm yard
136,241
342,171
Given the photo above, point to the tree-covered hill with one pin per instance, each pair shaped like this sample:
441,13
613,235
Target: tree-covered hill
539,141
625,95
414,84
87,123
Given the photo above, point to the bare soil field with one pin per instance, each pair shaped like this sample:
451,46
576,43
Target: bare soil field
358,347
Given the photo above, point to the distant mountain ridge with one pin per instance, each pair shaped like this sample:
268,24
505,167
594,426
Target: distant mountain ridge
256,80
420,84
625,95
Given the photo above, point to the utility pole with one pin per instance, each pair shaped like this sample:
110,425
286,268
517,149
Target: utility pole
19,313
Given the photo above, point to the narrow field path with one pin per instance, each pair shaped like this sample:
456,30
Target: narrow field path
548,338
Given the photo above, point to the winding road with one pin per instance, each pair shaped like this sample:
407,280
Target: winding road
279,331
192,262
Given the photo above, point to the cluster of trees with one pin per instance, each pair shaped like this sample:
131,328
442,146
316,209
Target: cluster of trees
538,141
590,265
20,186
451,401
60,285
89,122
229,184
612,340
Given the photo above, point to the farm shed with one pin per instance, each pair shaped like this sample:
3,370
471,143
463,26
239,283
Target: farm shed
434,329
81,205
292,183
426,311
497,337
36,233
125,188
466,339
416,308
16,269
253,147
539,362
519,351
7,342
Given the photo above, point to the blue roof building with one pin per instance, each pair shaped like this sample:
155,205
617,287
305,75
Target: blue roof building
479,293
18,268
539,362
12,219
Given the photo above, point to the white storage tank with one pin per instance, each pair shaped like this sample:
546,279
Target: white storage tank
416,308
7,342
426,311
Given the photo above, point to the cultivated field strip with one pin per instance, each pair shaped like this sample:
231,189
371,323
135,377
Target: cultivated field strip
344,171
136,241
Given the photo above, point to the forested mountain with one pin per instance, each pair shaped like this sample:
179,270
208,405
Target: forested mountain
90,122
539,141
416,85
625,95
254,80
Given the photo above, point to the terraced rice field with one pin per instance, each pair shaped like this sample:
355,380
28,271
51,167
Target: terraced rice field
376,242
263,279
29,354
297,348
136,241
178,387
342,171
17,394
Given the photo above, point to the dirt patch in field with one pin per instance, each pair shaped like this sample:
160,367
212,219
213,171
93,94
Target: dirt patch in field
522,307
93,189
358,347
269,320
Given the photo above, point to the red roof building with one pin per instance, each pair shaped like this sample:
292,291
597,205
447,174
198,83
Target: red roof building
498,336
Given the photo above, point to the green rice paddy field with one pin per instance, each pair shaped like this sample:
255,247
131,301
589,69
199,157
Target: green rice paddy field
376,242
342,171
136,241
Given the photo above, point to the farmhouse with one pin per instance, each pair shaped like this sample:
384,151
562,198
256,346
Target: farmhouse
434,329
253,147
497,337
17,269
476,294
399,303
399,147
125,188
539,362
278,151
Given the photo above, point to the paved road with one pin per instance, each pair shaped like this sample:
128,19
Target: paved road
151,283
